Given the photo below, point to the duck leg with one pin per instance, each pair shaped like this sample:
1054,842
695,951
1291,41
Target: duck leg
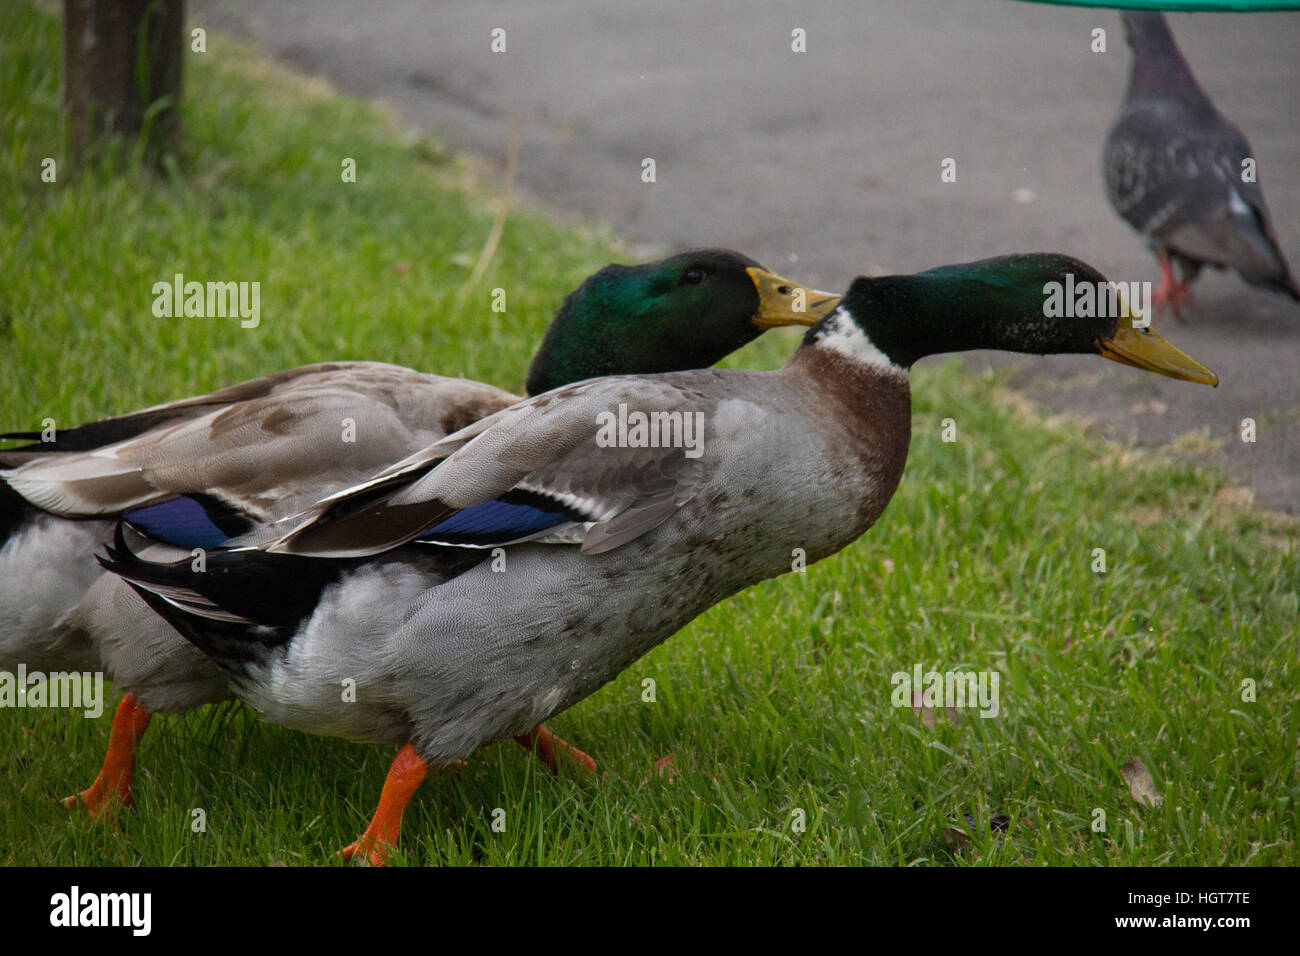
404,778
1171,293
408,772
549,748
114,780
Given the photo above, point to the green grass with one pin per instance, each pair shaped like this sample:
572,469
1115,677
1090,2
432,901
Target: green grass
776,700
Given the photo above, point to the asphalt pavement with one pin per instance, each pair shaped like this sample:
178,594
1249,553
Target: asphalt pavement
826,164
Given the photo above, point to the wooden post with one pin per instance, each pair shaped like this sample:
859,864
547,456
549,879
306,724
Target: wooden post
122,71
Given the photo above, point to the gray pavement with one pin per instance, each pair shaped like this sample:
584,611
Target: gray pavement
826,164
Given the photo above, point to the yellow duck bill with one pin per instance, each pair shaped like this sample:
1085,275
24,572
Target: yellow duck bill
1148,350
782,302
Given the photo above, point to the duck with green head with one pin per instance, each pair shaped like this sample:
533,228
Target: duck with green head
223,467
687,311
641,537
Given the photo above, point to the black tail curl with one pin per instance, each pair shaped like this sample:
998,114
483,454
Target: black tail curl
247,584
236,604
15,512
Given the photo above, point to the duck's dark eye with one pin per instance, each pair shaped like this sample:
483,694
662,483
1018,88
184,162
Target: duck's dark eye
693,277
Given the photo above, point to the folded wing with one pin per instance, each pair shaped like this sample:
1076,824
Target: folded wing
249,454
566,464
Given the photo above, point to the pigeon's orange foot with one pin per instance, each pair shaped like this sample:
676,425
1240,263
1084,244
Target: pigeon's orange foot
113,785
1172,294
549,748
404,778
1174,298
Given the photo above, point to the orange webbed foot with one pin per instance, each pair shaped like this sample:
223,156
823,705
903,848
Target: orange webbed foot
404,778
113,785
550,749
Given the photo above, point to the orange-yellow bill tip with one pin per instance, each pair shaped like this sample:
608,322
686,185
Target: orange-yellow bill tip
1144,349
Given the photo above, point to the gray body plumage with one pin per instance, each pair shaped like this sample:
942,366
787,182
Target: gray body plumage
1186,195
805,457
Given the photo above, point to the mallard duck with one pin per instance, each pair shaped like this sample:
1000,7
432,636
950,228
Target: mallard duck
605,547
225,466
1174,170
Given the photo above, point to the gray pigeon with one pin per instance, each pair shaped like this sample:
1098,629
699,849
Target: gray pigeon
1175,171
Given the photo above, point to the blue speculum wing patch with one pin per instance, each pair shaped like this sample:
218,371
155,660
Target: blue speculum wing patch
182,521
492,522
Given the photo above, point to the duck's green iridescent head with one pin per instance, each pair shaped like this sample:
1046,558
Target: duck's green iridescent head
1039,303
686,311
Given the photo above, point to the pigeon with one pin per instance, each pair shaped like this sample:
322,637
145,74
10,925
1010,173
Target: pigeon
1184,177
